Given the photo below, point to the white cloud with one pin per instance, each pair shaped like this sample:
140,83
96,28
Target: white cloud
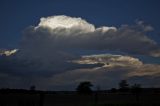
104,29
109,60
63,32
8,52
66,22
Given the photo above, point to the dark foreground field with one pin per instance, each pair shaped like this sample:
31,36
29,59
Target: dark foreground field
74,99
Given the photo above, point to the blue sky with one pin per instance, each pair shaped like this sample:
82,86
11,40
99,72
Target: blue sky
18,14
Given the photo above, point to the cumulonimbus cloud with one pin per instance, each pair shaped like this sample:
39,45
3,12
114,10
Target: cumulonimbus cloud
47,53
58,33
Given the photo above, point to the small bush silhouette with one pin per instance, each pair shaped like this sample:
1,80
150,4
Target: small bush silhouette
123,86
84,88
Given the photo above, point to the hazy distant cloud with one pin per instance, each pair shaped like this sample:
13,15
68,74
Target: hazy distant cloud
116,68
146,70
113,68
145,27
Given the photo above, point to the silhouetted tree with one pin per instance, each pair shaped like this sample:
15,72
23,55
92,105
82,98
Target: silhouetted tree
123,85
84,87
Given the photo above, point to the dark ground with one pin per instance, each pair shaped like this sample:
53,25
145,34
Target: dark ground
74,99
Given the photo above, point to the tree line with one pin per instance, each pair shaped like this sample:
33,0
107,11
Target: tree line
86,87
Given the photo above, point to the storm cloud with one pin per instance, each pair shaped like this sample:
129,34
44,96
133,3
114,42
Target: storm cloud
64,32
47,57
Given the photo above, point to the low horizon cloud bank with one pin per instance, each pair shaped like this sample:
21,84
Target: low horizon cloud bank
46,55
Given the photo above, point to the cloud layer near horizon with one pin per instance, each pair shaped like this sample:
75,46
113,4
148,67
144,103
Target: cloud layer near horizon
46,55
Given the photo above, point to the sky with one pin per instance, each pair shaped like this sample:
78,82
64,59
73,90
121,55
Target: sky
18,14
56,44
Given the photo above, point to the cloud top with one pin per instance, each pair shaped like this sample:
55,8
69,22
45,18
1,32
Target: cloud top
66,22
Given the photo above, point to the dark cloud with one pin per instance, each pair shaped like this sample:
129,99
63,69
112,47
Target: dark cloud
46,55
